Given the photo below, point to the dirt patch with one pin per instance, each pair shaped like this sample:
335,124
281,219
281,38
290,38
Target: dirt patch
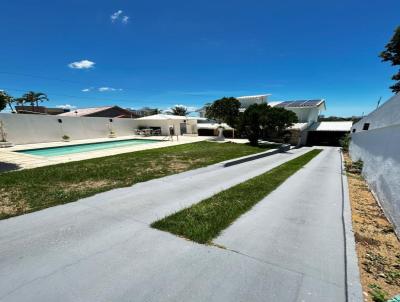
178,165
84,185
378,248
11,203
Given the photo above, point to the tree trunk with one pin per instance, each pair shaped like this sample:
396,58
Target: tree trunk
11,107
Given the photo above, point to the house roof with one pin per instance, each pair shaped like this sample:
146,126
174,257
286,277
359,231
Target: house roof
299,126
163,117
331,126
85,111
213,126
252,96
300,104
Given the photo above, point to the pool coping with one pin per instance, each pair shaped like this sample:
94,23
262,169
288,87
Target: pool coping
27,161
83,144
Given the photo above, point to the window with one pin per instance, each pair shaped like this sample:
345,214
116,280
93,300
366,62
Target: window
59,120
354,130
366,126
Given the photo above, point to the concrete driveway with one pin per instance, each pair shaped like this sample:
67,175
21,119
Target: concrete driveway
287,248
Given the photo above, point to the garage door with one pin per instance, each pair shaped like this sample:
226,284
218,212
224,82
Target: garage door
324,138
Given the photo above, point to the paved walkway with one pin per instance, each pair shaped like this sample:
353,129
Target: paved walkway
298,228
287,248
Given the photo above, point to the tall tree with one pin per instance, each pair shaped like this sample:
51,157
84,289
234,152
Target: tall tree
278,119
20,102
3,100
225,110
392,54
251,122
179,110
34,98
8,99
261,118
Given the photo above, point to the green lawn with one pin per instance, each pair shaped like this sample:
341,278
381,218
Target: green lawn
31,190
205,220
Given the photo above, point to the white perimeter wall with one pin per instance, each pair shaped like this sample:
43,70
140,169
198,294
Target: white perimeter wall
29,128
379,148
386,115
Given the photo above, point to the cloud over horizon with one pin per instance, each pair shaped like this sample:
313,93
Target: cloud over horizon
66,106
189,109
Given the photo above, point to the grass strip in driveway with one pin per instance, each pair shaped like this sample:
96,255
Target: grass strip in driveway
35,189
205,220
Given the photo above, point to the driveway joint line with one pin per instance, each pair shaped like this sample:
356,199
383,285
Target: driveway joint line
276,265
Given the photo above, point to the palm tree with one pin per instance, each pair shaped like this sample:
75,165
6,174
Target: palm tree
179,110
20,102
34,98
6,99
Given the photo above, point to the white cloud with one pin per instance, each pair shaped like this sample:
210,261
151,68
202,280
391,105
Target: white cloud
125,19
188,108
192,108
66,106
105,89
83,64
101,89
118,16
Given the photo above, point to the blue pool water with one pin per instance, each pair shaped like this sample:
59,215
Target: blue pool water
56,151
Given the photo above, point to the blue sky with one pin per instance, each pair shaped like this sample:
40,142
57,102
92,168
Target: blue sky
162,53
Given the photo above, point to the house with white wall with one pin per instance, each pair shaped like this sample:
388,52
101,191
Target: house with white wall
308,130
307,111
163,122
245,102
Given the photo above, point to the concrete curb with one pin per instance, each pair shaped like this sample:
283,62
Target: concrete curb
240,160
354,291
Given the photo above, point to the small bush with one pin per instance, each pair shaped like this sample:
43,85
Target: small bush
377,294
355,167
345,143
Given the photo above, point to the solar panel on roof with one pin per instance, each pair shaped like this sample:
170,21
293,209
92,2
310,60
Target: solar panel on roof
296,104
299,103
313,102
283,104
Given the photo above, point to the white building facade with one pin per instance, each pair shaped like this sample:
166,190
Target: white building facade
375,140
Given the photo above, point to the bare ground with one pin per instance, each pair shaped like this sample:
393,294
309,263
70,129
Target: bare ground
378,248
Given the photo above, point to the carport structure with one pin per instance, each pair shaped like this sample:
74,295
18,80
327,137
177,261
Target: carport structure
328,133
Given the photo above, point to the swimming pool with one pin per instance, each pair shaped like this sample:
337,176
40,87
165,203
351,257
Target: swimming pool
63,150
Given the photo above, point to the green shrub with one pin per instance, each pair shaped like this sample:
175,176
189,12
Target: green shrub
355,167
345,142
378,295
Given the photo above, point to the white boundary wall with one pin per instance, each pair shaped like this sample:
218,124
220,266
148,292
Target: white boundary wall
379,149
30,128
